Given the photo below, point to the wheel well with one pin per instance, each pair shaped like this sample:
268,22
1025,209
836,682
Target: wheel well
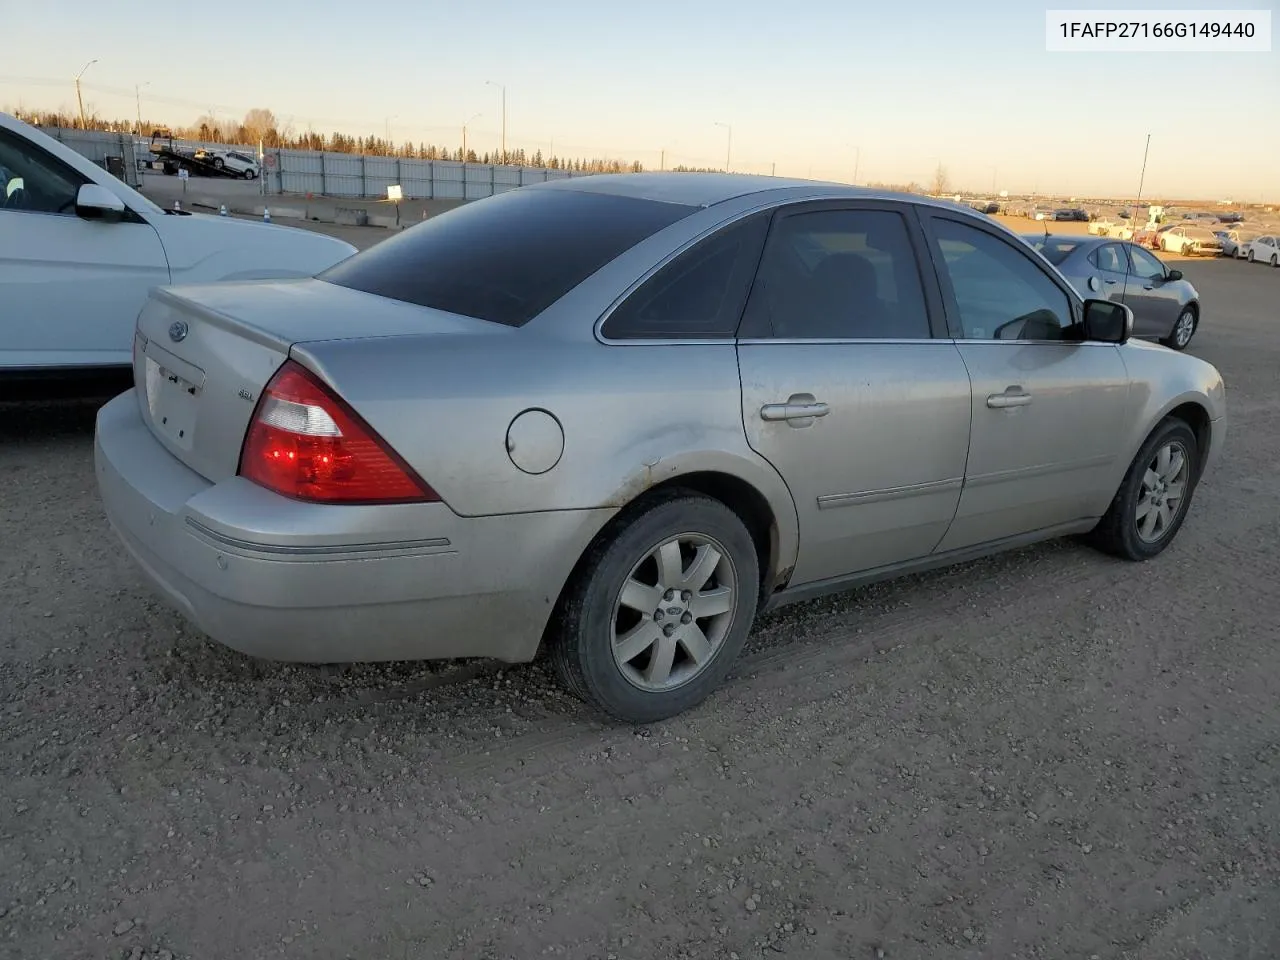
1197,418
744,500
739,496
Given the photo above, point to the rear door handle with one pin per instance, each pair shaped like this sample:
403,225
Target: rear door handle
799,410
1012,397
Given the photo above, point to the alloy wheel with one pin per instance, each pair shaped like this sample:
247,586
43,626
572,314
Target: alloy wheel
1184,328
673,612
1163,491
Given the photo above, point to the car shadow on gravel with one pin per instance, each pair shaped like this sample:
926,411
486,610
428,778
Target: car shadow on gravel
415,697
39,411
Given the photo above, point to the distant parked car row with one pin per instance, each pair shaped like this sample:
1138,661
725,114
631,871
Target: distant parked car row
1252,245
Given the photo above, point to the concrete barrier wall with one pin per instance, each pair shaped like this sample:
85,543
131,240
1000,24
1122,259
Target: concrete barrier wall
368,177
323,174
98,146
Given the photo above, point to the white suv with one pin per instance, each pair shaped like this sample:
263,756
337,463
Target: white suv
239,162
80,251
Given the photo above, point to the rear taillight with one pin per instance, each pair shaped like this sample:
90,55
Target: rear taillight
306,443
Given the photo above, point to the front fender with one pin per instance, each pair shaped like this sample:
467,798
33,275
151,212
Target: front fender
203,249
1161,382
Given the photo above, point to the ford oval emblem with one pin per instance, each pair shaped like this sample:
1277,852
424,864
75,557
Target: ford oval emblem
177,331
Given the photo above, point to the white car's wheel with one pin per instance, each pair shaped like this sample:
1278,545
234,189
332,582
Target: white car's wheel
1252,258
1275,260
250,174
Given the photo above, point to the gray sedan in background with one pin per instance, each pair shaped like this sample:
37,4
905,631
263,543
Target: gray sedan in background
616,417
1166,307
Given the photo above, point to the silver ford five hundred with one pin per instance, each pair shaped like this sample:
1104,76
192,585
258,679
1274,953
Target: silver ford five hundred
613,418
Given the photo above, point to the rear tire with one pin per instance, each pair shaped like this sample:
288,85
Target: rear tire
1148,509
1184,328
659,609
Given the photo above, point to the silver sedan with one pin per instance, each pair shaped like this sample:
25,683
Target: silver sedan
1166,307
616,417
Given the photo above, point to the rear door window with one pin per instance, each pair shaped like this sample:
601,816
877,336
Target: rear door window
506,258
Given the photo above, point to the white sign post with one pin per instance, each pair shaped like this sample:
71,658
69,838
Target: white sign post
395,194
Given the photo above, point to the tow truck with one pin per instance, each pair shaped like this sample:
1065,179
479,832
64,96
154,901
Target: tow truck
173,158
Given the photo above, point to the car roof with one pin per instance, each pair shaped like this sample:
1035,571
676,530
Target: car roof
707,189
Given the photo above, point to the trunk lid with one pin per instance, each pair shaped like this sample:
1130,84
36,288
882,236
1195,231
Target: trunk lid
204,354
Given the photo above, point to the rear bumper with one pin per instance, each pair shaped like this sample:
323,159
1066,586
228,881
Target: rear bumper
284,580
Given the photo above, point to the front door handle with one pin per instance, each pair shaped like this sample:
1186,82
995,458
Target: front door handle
800,410
1013,396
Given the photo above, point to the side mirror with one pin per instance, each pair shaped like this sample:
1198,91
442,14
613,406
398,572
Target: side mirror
96,202
1107,321
1174,275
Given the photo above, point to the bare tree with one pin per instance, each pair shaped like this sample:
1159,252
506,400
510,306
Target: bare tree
941,182
209,127
260,124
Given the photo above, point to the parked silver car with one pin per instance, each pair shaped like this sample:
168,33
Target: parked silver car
1166,307
618,416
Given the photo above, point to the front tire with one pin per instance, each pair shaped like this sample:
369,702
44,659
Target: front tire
1153,499
659,609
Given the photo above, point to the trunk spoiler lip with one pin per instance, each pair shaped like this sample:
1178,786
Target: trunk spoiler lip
187,298
225,321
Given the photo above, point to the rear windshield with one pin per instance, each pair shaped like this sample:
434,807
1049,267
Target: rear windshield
506,258
1055,251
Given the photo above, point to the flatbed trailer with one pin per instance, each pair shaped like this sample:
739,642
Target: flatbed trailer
174,158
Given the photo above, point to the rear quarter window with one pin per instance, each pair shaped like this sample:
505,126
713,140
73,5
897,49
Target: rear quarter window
507,258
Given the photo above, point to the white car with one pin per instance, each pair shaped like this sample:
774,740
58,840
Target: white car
1265,249
80,251
1190,239
237,161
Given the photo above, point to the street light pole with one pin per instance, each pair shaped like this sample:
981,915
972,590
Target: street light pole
728,148
464,136
137,93
503,88
80,99
857,158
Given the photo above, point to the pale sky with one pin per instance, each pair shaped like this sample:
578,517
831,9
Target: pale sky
815,88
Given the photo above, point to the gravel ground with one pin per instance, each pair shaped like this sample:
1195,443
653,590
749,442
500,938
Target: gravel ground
1046,754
